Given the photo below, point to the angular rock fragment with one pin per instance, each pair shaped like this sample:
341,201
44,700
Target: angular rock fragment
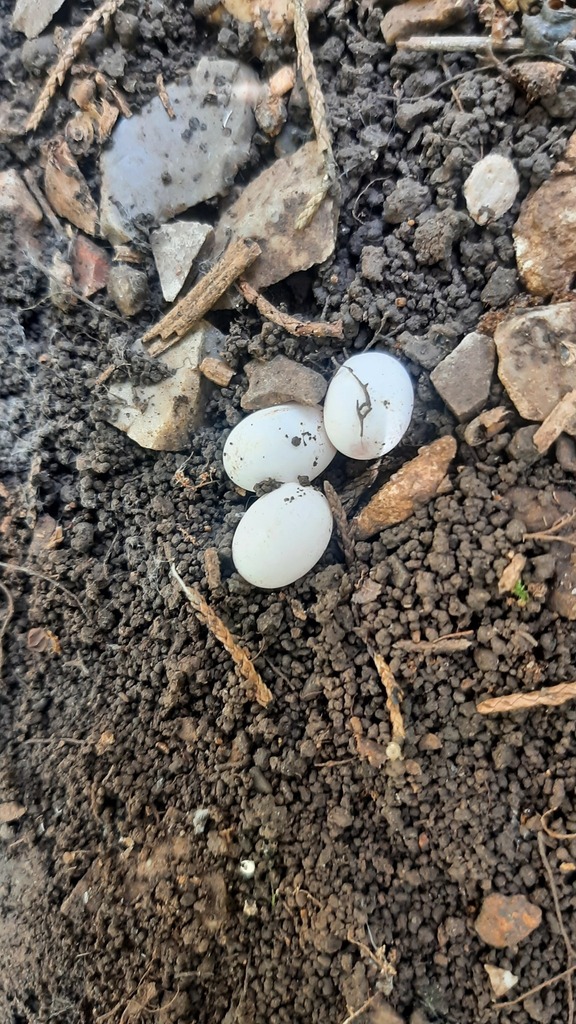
128,289
486,425
157,167
421,17
501,980
16,200
267,211
406,201
464,377
506,920
544,234
66,187
435,236
537,359
90,266
562,418
11,811
32,16
175,246
162,416
512,574
491,188
413,486
282,380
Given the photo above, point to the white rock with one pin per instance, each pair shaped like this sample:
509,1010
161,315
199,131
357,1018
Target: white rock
491,188
502,981
282,443
158,167
32,16
282,536
368,405
162,416
247,868
175,246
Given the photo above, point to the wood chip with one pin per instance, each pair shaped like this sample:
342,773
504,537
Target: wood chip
66,187
239,255
562,417
551,696
343,529
512,574
164,97
256,688
217,371
450,644
212,568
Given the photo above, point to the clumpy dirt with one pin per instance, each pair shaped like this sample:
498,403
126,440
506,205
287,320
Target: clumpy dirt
146,776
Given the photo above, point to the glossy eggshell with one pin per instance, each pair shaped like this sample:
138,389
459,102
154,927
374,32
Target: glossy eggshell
282,536
282,443
368,405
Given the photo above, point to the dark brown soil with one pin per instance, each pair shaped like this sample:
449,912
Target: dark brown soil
145,775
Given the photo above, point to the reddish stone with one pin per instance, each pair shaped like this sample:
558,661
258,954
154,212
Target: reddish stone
91,266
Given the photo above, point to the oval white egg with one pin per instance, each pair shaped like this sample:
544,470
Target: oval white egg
282,443
368,405
282,536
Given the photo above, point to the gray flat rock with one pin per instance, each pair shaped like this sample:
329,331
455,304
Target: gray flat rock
157,167
282,380
175,246
464,377
32,16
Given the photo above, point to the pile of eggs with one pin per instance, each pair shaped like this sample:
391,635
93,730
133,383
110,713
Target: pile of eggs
367,410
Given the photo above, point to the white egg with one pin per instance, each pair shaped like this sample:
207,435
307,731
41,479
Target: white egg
368,405
282,536
282,443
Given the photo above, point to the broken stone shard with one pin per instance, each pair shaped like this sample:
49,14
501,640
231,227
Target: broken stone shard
16,200
506,920
491,188
417,17
128,289
157,167
162,416
464,377
544,232
282,380
537,359
175,246
413,486
90,266
32,16
267,211
501,980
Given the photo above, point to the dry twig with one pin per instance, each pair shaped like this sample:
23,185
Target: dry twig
67,58
47,579
559,918
257,689
562,836
164,97
300,328
533,991
318,112
550,696
469,44
393,697
239,255
451,643
342,525
5,622
563,416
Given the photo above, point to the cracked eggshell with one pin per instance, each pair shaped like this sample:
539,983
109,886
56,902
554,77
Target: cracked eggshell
491,188
368,405
282,536
282,443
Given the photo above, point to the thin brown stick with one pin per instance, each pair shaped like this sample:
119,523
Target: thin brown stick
47,579
299,328
164,97
343,527
67,58
550,696
5,622
257,689
560,919
318,113
533,991
239,255
361,1009
393,697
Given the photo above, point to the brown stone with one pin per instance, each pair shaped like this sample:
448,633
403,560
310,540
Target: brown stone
537,359
413,486
544,232
282,380
506,920
11,811
419,17
90,266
